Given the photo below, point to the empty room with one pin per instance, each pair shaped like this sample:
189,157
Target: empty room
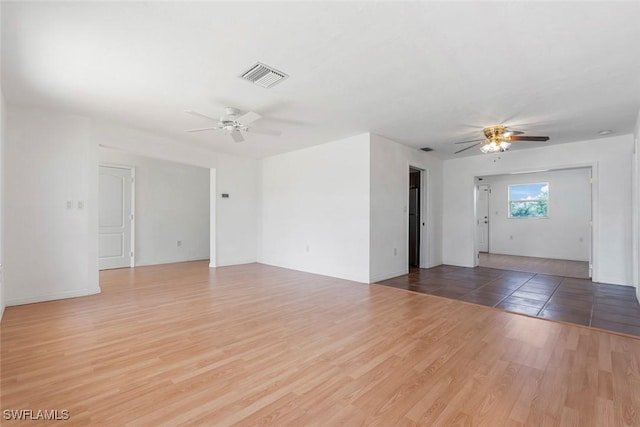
320,213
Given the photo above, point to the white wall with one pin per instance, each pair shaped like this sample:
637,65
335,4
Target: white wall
564,235
50,251
346,202
235,235
315,209
236,217
390,164
635,198
144,143
171,204
2,143
612,190
51,158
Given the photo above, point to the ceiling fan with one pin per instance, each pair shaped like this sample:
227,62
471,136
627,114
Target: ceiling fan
498,138
234,124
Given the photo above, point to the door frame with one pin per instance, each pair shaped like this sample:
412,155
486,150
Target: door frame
132,258
594,260
475,209
419,206
425,219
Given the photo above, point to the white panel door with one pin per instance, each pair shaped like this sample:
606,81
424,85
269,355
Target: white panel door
482,218
114,218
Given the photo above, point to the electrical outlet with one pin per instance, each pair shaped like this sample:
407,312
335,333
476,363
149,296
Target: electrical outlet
179,243
69,204
510,237
80,205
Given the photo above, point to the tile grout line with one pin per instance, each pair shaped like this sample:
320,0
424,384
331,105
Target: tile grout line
551,296
510,293
500,276
544,305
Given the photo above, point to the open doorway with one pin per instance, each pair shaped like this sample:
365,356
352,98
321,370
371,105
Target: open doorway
536,222
171,210
415,179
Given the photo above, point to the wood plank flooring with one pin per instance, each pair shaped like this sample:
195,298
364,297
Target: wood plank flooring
553,267
256,345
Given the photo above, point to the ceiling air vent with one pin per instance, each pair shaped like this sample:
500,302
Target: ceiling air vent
426,149
263,75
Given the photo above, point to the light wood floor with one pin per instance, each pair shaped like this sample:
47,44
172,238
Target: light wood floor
184,345
553,267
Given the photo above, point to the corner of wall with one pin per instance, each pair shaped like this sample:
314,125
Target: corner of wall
237,230
635,208
38,140
2,141
389,166
314,209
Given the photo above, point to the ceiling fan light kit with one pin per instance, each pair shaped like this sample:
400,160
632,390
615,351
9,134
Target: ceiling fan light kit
495,147
497,139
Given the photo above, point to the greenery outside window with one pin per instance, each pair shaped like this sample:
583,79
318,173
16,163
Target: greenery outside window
529,200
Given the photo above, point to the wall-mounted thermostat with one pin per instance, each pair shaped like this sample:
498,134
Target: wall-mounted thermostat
225,195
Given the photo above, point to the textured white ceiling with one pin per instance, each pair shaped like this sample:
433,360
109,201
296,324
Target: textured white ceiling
421,73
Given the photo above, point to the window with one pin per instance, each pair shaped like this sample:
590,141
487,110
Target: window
529,200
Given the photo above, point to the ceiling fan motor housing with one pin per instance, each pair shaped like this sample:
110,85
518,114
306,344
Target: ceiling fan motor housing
494,132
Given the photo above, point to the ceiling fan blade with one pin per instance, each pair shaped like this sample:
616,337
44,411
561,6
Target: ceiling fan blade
466,142
195,113
465,149
237,136
514,132
529,138
200,130
248,118
265,131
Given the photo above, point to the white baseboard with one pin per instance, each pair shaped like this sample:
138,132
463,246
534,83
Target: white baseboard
53,297
236,262
386,276
319,273
169,261
611,281
457,263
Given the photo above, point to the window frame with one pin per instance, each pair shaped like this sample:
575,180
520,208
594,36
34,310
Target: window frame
509,201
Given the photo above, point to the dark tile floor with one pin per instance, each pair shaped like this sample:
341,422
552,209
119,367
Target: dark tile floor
567,299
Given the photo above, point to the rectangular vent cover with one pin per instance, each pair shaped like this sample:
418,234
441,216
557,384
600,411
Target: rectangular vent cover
263,75
426,149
